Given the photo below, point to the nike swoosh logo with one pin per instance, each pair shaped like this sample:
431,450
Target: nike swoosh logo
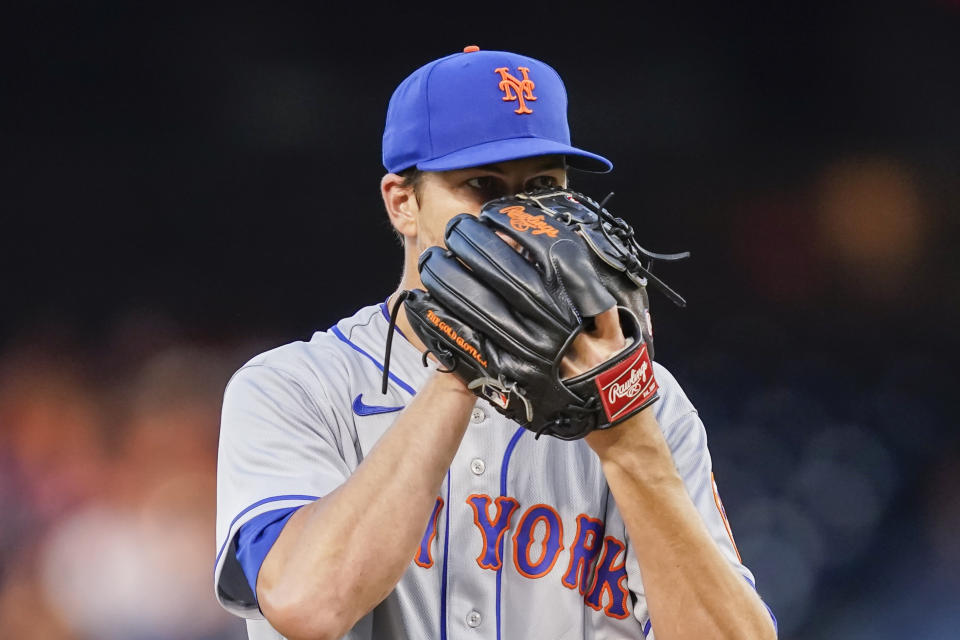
368,409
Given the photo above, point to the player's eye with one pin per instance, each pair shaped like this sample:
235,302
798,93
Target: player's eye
487,187
542,182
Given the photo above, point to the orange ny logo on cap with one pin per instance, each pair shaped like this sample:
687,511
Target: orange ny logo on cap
515,89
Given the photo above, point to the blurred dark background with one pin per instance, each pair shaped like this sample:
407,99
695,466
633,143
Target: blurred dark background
188,185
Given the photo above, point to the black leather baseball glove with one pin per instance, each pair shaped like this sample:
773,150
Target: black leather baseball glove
502,317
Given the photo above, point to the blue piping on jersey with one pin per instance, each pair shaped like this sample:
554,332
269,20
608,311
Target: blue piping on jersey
776,626
254,506
443,585
504,466
403,385
646,628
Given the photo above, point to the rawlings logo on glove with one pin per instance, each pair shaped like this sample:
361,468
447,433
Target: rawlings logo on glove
639,386
523,221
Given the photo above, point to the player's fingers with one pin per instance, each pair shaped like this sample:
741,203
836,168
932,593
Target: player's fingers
607,326
510,241
590,349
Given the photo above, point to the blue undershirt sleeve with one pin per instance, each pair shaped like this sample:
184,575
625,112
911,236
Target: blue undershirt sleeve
256,538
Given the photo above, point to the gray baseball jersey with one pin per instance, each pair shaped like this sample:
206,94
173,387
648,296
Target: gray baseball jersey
525,539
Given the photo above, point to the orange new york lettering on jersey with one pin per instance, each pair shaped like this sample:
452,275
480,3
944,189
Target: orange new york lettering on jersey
723,514
550,546
491,530
424,556
609,581
537,547
586,546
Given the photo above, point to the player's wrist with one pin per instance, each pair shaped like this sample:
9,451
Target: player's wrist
452,384
637,442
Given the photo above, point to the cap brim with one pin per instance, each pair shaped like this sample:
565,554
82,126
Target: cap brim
515,149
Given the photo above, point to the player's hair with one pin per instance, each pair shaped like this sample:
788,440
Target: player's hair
412,178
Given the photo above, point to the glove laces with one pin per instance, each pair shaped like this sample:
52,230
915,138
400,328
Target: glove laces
622,230
390,331
394,312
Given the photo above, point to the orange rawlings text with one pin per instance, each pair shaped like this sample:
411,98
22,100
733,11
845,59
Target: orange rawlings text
523,221
455,337
515,89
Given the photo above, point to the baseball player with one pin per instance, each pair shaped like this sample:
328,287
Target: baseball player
424,511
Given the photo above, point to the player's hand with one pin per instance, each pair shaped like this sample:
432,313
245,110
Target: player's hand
595,347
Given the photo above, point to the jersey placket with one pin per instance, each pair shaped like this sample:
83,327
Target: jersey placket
475,484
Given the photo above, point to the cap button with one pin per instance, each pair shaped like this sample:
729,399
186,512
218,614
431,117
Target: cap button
471,48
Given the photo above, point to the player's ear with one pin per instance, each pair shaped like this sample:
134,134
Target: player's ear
401,203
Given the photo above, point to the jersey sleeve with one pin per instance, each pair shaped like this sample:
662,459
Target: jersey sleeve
279,449
686,437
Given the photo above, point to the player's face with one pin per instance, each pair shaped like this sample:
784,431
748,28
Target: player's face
447,193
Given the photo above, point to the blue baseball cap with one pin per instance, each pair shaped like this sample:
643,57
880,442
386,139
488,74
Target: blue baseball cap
480,107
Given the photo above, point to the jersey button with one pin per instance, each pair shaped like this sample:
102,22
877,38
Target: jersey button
477,466
478,415
474,619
